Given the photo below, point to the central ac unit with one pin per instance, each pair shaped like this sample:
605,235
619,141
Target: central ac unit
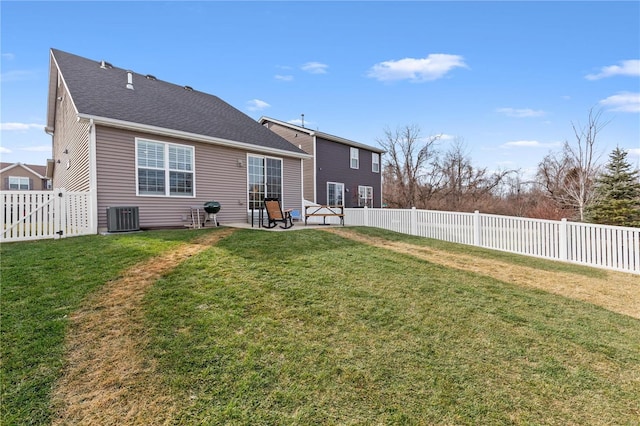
122,219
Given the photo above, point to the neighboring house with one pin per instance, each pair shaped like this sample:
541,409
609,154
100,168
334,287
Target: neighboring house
23,177
135,140
341,172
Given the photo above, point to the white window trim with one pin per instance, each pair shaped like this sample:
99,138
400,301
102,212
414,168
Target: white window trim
20,181
264,157
354,155
167,170
335,183
360,188
375,156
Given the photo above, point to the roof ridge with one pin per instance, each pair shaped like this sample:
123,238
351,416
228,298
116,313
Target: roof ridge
159,104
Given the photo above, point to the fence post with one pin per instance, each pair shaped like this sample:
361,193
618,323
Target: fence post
365,219
477,240
60,214
413,226
562,237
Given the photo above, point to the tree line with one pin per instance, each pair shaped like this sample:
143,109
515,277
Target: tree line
571,183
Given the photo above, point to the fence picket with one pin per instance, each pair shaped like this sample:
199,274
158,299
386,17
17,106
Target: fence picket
601,246
33,215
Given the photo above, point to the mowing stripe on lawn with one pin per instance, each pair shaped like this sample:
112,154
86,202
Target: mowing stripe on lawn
617,292
107,379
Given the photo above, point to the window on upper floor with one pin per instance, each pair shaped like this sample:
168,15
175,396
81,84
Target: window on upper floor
165,169
355,158
17,183
375,162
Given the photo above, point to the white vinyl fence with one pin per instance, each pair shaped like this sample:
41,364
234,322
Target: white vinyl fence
600,246
35,215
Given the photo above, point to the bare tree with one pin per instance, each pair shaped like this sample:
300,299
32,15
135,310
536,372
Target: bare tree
465,186
569,177
407,172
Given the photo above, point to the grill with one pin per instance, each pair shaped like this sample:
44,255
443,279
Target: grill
212,208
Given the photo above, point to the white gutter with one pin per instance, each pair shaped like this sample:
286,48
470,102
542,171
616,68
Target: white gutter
323,135
190,136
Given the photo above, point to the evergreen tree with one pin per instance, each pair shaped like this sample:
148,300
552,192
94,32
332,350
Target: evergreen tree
617,193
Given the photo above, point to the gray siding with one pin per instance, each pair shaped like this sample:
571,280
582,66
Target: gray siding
291,172
305,142
72,172
220,175
333,165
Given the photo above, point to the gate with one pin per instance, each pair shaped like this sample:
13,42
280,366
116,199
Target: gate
35,215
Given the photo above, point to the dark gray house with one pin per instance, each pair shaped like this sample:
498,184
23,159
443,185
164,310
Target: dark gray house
134,140
341,172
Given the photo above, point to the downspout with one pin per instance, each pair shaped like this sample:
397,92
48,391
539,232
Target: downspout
315,169
93,179
302,203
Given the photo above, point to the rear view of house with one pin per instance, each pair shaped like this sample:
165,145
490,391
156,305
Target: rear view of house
23,177
342,172
135,140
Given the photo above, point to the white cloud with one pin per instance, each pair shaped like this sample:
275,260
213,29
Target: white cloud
17,75
4,150
315,67
623,102
630,68
433,67
520,113
8,56
257,105
40,148
21,126
529,144
634,152
283,77
446,137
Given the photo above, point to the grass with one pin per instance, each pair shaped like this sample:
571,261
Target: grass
309,328
306,327
516,259
42,283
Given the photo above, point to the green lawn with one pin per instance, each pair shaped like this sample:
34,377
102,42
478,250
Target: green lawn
308,328
42,282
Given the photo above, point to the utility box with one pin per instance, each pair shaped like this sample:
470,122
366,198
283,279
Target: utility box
123,219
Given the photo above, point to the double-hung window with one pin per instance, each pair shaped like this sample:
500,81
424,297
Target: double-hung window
335,194
355,158
375,162
264,178
165,169
17,183
365,196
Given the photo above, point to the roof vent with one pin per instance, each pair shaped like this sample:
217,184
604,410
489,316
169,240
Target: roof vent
104,65
150,77
189,88
130,80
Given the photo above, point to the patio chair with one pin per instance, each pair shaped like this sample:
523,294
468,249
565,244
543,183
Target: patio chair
275,213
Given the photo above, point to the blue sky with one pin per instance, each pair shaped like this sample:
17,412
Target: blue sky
506,78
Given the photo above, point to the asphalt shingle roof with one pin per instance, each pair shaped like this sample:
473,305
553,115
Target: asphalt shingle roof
102,93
